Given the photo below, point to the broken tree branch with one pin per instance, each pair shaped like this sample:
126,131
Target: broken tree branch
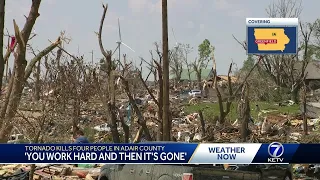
39,56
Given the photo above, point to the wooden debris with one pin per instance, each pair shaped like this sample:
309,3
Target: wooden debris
56,172
2,172
89,177
11,166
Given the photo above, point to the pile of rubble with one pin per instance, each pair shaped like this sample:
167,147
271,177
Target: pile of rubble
185,127
266,128
44,171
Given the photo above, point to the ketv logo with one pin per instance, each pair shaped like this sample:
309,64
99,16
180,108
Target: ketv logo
275,150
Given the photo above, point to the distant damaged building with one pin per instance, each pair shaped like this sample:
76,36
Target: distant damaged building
313,74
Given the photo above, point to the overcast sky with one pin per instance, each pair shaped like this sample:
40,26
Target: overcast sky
192,20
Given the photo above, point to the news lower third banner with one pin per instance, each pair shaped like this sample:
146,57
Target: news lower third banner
171,153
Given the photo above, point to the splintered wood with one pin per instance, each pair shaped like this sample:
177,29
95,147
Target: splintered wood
54,172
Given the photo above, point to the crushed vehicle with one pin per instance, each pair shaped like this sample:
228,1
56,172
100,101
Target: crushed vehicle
183,95
194,172
105,128
195,93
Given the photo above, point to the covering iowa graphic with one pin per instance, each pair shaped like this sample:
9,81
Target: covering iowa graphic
271,39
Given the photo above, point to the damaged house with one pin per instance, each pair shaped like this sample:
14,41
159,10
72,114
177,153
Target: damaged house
313,75
190,78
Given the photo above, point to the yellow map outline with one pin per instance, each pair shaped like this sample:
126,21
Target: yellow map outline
271,33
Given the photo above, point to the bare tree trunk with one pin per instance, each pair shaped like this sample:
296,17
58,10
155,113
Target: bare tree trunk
244,113
199,80
2,63
15,96
141,120
155,79
21,70
37,83
304,103
7,98
32,170
109,100
20,76
159,133
126,129
75,116
36,140
114,127
7,70
159,99
295,94
166,103
223,112
188,68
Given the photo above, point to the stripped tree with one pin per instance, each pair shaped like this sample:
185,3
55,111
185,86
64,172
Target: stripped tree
232,92
107,92
176,63
244,113
107,88
155,67
187,50
22,70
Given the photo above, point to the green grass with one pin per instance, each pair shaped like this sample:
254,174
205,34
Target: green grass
210,110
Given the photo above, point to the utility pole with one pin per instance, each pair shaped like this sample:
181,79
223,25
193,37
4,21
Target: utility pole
165,49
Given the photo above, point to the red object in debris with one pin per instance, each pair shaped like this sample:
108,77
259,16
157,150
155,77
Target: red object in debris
150,109
13,40
81,174
187,176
